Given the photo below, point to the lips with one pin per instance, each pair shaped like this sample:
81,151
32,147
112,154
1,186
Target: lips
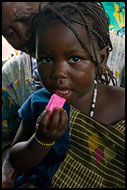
65,93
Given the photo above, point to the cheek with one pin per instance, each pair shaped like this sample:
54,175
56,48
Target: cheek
25,32
15,42
83,82
44,73
85,75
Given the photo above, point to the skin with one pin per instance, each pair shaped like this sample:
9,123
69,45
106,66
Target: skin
59,71
65,69
16,24
68,69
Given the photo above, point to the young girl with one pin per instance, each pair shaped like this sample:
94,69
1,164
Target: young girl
82,144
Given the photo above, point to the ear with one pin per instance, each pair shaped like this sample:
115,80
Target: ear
103,56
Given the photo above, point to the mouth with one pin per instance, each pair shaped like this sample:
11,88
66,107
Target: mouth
65,93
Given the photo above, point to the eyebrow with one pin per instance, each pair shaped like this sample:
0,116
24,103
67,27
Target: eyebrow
76,51
71,51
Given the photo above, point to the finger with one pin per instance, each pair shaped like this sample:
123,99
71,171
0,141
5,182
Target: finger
63,123
45,112
55,118
41,127
63,119
45,118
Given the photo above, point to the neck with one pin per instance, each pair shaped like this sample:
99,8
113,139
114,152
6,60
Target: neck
84,103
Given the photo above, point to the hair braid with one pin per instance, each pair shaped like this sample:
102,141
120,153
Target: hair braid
67,11
89,33
73,30
82,24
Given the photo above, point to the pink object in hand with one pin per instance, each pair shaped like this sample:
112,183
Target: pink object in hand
55,101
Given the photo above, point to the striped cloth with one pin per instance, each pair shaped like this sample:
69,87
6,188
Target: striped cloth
96,157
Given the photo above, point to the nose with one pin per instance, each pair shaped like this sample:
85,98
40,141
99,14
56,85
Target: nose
60,70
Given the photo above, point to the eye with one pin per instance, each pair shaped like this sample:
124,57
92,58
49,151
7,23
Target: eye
75,59
24,18
46,60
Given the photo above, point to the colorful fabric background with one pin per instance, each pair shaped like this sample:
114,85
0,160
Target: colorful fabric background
116,13
116,61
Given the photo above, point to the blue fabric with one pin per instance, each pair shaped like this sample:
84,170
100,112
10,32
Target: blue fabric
42,174
10,119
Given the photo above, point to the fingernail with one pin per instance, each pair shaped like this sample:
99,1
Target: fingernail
37,125
63,110
56,108
47,110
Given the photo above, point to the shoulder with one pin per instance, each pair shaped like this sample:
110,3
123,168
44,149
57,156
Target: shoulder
15,62
117,100
37,100
42,93
116,95
112,103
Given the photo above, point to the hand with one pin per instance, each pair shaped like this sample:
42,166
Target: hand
49,129
9,175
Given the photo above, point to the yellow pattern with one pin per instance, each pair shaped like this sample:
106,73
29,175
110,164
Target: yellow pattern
93,142
3,89
117,74
16,52
6,130
3,101
117,14
10,101
28,80
4,123
16,83
111,26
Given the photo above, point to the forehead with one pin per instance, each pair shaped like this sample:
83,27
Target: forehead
47,25
18,4
56,30
54,33
16,8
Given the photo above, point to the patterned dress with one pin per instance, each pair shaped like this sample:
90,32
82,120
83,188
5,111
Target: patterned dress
17,85
96,157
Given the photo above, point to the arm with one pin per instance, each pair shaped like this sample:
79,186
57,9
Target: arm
26,152
9,127
9,174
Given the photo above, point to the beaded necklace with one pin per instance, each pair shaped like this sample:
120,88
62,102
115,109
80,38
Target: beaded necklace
94,95
35,80
94,99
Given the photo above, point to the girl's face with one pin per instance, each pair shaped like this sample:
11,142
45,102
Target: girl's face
64,67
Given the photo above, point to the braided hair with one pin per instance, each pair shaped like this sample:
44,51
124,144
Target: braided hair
67,13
